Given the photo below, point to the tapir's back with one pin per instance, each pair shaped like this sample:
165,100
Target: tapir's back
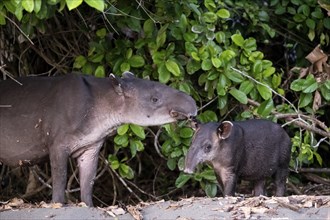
264,139
25,112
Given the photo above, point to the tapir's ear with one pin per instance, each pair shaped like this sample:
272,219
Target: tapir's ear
116,84
128,74
224,129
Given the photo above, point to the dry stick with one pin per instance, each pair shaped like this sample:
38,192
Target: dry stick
317,179
20,30
314,170
122,181
294,188
296,122
156,142
142,191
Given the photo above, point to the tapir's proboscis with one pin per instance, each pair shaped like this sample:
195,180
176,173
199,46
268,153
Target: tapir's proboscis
250,150
59,117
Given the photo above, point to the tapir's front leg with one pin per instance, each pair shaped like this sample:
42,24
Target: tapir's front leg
58,162
87,170
227,178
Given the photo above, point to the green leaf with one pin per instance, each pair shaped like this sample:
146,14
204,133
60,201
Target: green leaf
173,67
72,4
186,132
238,39
121,140
2,17
28,5
297,85
234,76
114,163
121,130
265,92
266,107
100,72
310,84
97,4
163,74
136,61
161,36
210,17
125,67
268,72
206,64
326,23
171,164
240,96
257,67
325,90
184,87
125,171
193,66
305,99
101,33
310,23
207,116
37,5
211,189
246,86
136,145
148,27
209,174
79,62
138,130
223,13
216,62
182,179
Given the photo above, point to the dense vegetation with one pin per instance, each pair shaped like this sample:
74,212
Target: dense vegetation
238,60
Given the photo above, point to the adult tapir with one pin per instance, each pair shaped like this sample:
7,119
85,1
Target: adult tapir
250,150
73,114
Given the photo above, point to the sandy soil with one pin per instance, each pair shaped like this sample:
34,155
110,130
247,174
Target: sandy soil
292,207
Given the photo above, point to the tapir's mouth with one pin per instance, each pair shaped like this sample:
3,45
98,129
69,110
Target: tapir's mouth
180,115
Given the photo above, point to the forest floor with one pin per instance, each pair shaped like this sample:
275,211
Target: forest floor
291,207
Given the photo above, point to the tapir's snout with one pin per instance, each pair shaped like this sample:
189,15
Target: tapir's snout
188,171
184,107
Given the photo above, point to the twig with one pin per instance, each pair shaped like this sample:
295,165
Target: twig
299,121
314,170
122,181
20,30
260,83
142,191
156,142
317,179
294,188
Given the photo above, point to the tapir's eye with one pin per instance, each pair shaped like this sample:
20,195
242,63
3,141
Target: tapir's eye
154,99
207,148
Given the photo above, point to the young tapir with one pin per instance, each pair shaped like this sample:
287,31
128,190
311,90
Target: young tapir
250,150
72,115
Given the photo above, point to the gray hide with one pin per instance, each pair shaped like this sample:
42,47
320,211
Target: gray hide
58,117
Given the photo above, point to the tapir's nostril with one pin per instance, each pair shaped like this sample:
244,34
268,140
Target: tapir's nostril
174,114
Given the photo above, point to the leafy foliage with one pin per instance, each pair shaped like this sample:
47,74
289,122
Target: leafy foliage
211,50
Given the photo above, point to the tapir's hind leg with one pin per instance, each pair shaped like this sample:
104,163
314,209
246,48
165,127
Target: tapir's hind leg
259,187
280,181
87,171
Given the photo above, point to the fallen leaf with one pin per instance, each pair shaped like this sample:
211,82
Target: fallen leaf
15,202
317,101
135,212
246,211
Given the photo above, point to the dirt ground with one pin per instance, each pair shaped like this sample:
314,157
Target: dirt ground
292,207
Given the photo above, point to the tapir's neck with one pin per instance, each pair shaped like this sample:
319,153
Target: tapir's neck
108,107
